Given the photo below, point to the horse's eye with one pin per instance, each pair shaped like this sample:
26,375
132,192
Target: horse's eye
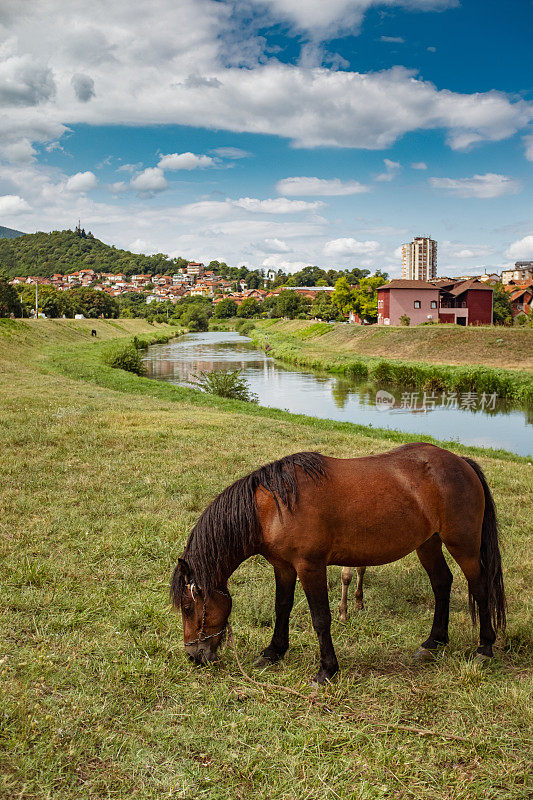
188,608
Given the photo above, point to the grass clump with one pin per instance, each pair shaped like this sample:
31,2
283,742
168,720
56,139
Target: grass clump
224,383
127,356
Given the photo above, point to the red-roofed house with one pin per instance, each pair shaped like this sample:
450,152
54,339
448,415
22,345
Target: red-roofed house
463,302
521,299
417,300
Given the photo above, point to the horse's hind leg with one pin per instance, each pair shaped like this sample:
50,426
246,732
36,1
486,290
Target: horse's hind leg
359,588
433,561
285,583
346,579
479,597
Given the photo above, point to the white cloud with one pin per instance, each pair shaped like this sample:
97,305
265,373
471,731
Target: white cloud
339,17
392,39
521,250
276,262
528,142
478,251
143,80
419,165
175,161
276,205
81,182
11,205
481,186
276,246
231,152
431,49
83,86
25,82
391,170
345,247
319,187
149,181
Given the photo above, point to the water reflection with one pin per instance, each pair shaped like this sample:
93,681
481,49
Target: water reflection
340,398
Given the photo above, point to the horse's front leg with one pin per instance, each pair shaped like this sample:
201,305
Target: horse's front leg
315,586
285,583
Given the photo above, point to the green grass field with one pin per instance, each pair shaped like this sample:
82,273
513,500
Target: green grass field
103,474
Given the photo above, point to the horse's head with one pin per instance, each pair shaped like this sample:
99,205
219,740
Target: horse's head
205,616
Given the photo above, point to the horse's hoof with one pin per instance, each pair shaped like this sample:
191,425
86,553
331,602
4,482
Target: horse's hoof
343,618
423,655
482,660
261,662
322,679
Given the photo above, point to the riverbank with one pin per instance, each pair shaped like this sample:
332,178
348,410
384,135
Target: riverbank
103,475
498,347
332,348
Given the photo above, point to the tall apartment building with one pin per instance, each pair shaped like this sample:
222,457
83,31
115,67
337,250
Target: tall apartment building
419,259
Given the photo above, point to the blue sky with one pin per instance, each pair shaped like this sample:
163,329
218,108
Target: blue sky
273,133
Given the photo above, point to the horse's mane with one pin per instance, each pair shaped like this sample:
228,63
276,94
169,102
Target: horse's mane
229,530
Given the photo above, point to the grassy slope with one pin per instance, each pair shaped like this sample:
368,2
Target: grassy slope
100,488
510,348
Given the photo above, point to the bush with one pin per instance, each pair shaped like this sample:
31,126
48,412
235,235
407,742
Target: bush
226,308
224,383
244,326
405,320
127,357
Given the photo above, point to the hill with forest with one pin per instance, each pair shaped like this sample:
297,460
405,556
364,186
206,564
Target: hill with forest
9,233
43,254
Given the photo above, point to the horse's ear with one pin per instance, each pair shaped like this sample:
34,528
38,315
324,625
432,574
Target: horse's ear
185,569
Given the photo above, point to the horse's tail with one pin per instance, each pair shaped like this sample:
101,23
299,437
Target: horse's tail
489,558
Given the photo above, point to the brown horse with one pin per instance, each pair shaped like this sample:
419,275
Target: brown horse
307,511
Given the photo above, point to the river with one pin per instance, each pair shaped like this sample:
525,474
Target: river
469,418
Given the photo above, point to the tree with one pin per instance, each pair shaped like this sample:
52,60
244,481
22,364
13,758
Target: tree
226,308
365,296
291,304
93,303
502,313
249,307
195,318
322,307
9,300
343,296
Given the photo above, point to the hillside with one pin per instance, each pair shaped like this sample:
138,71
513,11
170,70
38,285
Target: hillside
9,233
44,254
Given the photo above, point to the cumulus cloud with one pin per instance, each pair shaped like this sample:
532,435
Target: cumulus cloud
476,251
83,86
11,205
175,161
319,187
391,170
419,165
275,246
24,82
150,181
521,250
345,247
81,182
481,186
339,17
311,106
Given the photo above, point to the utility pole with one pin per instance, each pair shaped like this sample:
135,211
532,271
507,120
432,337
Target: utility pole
36,300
